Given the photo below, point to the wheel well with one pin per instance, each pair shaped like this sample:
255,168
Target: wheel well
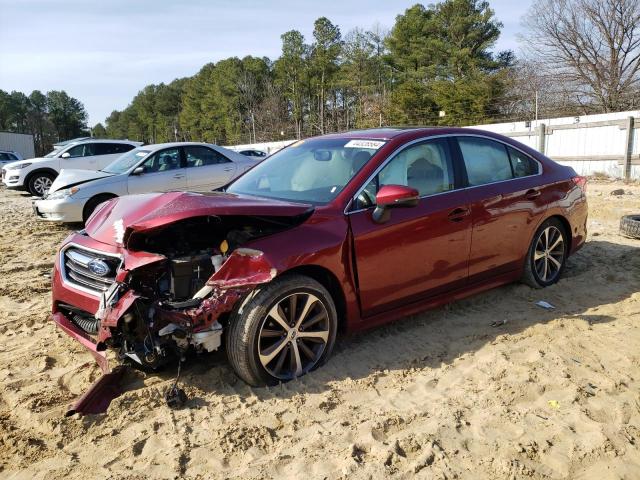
329,281
101,196
567,228
40,170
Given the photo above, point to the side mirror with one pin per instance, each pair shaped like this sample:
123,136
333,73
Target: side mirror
138,171
394,196
65,155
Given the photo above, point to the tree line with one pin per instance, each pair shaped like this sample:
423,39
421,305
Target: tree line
435,66
49,117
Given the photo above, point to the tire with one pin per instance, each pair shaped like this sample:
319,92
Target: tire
91,205
630,226
254,335
536,273
39,183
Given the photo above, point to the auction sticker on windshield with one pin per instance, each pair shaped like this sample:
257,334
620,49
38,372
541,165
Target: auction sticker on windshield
371,144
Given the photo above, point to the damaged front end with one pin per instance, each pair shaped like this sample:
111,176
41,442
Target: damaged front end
173,289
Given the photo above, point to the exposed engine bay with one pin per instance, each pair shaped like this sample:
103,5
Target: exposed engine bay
181,299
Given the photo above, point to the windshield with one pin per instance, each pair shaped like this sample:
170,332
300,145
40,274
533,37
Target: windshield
125,162
311,171
52,154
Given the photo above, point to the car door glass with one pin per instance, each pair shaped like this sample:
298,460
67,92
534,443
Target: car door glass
486,161
4,156
84,150
198,156
522,164
163,161
426,166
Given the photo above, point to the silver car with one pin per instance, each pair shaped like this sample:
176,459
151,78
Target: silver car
198,167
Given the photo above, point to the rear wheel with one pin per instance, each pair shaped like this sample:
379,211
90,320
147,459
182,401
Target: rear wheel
547,255
284,330
39,183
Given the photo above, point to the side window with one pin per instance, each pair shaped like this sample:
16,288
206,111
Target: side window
522,165
163,161
427,167
111,148
198,156
83,150
5,156
486,161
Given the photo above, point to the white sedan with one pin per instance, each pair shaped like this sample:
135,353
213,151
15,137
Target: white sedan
197,167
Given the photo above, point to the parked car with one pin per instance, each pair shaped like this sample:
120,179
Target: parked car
75,194
8,156
331,234
257,154
37,174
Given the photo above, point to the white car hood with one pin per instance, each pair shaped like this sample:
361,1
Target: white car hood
69,178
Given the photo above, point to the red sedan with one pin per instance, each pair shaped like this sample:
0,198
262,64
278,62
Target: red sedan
332,234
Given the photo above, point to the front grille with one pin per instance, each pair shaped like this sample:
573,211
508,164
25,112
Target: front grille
77,271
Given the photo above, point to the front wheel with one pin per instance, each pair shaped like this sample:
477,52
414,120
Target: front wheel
284,330
547,255
40,183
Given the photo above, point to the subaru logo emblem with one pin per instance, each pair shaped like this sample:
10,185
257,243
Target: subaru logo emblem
98,267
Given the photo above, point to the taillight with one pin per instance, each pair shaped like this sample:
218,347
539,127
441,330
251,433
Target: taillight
581,182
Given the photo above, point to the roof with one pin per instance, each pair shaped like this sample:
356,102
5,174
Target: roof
385,133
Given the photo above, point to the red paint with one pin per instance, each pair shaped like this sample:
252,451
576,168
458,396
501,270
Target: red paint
448,246
393,194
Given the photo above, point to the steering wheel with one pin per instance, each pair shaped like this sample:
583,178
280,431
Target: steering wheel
366,199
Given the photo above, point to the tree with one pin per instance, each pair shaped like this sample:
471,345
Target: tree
323,63
98,131
593,46
67,114
291,70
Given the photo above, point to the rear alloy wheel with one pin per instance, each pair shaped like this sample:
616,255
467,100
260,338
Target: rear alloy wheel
547,255
39,184
282,332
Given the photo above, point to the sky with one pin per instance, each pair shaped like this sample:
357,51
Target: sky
103,52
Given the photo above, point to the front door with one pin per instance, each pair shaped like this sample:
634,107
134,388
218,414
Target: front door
421,251
163,171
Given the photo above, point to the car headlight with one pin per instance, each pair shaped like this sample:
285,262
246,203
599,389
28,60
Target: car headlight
60,194
20,165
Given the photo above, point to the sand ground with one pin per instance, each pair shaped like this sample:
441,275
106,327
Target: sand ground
549,394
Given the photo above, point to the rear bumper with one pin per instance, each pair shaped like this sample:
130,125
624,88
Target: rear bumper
68,210
76,333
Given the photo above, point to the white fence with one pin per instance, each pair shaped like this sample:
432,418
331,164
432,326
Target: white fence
18,142
606,143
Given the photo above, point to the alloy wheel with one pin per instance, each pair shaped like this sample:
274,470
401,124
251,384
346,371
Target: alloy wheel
549,254
293,336
42,185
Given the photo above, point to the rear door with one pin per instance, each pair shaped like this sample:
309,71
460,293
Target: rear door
207,169
507,202
163,172
421,251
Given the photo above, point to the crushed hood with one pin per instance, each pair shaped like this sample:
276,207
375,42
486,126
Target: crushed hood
70,177
119,218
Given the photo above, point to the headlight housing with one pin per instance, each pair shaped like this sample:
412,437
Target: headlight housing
19,166
60,194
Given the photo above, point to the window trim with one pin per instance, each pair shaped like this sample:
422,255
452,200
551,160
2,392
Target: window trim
452,136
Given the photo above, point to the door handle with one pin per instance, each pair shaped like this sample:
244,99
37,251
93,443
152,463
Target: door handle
531,194
458,214
178,175
228,169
